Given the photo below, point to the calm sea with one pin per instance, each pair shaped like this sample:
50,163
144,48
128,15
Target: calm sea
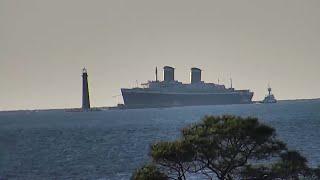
112,144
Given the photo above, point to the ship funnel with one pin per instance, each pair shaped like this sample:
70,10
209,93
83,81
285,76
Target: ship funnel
195,75
168,73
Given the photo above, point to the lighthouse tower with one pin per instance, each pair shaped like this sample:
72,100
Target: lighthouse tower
85,90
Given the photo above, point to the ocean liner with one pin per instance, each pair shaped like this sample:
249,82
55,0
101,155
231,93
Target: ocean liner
170,92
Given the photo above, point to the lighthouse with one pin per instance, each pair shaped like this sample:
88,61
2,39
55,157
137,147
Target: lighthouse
85,90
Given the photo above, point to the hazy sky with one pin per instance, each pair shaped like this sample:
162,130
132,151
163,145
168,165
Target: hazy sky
44,45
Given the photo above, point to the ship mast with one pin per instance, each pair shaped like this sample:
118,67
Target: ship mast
156,74
269,89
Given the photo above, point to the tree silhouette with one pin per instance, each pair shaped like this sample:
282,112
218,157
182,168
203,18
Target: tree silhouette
149,172
228,147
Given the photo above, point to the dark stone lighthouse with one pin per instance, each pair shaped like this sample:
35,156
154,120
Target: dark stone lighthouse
85,90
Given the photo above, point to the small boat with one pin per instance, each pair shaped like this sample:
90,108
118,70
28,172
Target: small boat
269,98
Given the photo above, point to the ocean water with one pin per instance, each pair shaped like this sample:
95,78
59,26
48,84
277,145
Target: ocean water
111,144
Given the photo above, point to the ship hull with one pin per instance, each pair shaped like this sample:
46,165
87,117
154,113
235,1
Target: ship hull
140,99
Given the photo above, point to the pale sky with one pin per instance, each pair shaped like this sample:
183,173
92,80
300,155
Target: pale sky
45,44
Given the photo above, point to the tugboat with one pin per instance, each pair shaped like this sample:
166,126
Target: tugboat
269,98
